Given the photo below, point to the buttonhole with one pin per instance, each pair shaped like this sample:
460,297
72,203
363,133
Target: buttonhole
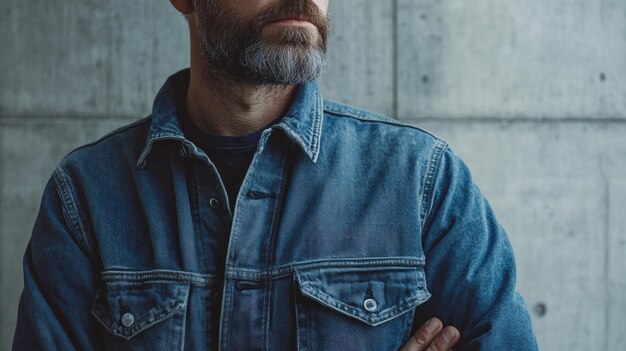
246,285
255,194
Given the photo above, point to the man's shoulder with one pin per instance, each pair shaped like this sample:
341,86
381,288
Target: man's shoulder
393,128
123,144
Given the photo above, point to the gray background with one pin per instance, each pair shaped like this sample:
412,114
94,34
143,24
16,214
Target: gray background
531,94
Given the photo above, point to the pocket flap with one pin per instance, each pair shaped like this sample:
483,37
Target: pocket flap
372,295
126,308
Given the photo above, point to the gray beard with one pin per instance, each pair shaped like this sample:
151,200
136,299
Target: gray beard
262,63
235,56
286,64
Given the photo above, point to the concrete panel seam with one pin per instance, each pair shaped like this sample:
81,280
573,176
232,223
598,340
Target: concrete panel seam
518,120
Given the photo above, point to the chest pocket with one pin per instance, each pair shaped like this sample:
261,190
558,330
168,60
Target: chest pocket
140,312
368,308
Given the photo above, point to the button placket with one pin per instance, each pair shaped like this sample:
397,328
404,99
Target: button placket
252,230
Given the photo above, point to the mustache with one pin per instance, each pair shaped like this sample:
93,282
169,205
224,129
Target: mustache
292,8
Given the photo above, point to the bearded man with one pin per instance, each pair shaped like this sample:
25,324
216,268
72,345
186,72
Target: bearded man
247,213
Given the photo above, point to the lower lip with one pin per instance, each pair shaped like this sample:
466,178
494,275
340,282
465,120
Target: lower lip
292,22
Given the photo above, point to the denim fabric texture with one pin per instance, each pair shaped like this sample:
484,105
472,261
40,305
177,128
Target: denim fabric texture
350,230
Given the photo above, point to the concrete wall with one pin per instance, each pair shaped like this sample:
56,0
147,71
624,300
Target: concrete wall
530,94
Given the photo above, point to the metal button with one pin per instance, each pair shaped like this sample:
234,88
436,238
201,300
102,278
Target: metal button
370,305
214,203
128,319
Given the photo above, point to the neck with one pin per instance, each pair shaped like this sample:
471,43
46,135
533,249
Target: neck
225,107
222,106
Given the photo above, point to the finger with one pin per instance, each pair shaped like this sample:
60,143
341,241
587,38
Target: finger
420,340
445,340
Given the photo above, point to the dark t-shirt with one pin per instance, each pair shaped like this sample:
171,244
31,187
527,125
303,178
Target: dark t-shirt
232,155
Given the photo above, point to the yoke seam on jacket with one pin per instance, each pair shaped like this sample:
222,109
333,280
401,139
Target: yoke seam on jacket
339,110
114,132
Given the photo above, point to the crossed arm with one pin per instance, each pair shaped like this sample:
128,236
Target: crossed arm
470,271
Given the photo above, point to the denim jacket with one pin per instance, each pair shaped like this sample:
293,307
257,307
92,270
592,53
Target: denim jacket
349,231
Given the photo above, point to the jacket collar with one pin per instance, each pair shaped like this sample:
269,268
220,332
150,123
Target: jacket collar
302,122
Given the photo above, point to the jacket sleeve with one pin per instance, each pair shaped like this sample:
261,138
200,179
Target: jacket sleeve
470,266
59,278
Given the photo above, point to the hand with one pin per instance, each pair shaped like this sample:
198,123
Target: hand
431,336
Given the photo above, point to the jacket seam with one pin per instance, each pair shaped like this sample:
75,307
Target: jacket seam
372,117
317,127
114,132
432,173
70,209
349,263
